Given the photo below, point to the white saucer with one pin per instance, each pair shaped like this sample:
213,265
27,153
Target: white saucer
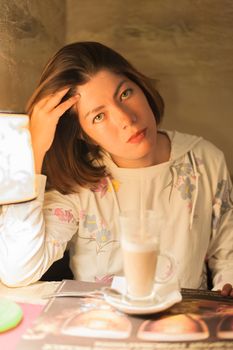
166,296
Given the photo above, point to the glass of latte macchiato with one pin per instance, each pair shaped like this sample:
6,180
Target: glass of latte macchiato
140,243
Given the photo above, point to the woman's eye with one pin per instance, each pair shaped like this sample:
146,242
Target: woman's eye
98,118
125,94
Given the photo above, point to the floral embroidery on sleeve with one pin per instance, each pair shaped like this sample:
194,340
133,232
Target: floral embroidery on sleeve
64,215
222,201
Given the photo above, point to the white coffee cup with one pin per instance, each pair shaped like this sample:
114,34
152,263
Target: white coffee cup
140,243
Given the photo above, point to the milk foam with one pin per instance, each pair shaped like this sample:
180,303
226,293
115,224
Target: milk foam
139,247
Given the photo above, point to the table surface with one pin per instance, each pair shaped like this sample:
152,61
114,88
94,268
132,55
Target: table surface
30,298
29,294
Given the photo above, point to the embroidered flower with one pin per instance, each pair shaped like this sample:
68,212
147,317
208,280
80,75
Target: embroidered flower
183,179
104,279
103,186
222,202
82,215
90,223
97,232
115,185
63,215
223,194
103,235
183,169
186,189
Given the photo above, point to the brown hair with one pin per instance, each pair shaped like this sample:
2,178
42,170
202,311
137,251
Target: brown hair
69,161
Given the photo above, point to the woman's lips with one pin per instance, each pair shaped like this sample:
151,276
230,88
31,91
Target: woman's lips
137,137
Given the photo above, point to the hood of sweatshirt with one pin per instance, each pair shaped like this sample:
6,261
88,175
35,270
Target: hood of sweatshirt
181,143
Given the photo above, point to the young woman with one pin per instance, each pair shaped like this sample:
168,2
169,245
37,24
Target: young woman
95,128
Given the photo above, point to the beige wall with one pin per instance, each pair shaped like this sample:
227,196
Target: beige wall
186,44
30,31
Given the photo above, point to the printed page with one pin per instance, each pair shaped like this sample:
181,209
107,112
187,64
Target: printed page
203,320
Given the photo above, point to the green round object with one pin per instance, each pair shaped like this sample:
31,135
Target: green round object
10,314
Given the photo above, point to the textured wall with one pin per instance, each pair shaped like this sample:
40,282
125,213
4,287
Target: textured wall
186,44
30,31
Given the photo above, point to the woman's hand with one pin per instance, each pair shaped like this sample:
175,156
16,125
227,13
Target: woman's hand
227,290
43,122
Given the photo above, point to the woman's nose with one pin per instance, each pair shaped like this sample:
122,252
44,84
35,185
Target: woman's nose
125,117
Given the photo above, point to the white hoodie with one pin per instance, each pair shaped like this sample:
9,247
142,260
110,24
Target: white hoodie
193,190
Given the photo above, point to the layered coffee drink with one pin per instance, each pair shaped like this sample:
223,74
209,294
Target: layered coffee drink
140,262
140,237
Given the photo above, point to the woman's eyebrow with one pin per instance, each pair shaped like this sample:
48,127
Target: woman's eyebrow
97,109
118,87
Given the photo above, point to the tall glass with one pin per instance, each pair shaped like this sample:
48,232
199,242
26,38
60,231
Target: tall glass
140,243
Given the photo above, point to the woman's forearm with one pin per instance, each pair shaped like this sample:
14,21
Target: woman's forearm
24,254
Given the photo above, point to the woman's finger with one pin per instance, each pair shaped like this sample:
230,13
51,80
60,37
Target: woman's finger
49,102
53,100
64,106
226,290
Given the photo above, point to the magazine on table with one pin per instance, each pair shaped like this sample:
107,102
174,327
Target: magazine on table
201,320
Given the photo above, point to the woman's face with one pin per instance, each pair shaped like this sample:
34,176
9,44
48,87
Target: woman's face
114,112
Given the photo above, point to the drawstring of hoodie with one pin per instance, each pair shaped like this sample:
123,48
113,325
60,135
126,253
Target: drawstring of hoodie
196,175
173,180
